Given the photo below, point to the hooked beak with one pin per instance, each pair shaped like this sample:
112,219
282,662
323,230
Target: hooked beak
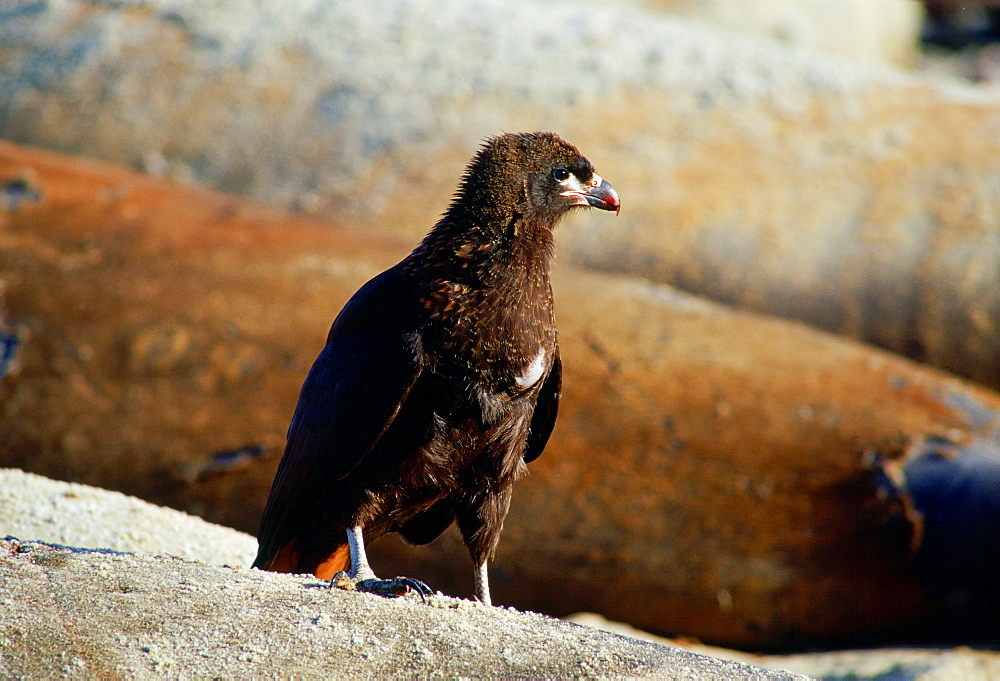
597,194
603,196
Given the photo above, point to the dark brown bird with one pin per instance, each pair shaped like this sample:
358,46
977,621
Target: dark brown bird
440,377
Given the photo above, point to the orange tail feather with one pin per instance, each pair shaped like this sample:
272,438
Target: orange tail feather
288,559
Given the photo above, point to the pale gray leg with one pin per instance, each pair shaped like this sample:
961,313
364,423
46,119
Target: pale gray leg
362,577
360,569
482,584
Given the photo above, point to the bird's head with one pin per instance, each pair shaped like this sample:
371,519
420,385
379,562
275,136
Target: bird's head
533,174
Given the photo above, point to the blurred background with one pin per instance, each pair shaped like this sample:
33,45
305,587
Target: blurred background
780,426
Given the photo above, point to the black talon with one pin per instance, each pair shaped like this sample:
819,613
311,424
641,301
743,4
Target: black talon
392,588
342,580
418,586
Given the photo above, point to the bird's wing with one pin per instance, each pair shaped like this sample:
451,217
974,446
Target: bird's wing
544,417
352,394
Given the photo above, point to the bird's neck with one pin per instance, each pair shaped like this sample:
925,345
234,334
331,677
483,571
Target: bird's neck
485,250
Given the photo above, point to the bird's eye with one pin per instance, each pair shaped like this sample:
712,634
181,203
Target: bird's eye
560,174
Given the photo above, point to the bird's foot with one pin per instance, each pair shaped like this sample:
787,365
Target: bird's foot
342,580
389,588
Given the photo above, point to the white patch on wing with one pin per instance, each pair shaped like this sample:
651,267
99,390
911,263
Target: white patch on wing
534,371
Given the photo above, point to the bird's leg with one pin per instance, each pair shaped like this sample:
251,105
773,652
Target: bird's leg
360,569
363,577
481,533
482,581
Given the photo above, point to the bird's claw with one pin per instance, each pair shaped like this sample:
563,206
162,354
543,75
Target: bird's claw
342,580
389,588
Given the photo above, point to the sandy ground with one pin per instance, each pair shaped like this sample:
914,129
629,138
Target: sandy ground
114,609
103,612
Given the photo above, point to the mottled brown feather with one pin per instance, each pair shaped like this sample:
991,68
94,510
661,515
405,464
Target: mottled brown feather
440,377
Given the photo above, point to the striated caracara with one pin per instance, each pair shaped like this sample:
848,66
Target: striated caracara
440,378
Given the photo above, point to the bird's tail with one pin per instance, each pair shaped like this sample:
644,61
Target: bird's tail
289,559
